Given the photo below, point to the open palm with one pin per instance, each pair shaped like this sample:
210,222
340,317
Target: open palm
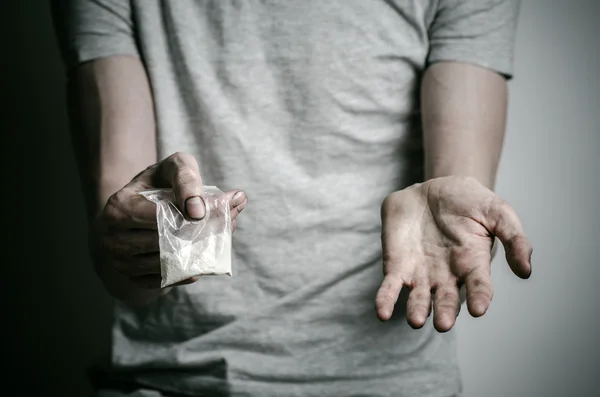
437,237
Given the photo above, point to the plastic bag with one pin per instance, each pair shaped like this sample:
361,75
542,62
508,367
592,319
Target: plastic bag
189,247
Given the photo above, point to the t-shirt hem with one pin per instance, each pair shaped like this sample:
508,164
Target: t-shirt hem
91,53
502,66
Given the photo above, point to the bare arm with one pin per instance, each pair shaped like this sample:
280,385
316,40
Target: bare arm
464,116
463,109
464,119
114,137
112,125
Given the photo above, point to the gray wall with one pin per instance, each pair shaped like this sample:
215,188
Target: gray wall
540,336
538,339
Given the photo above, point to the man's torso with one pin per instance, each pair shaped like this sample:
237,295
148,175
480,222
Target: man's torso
312,108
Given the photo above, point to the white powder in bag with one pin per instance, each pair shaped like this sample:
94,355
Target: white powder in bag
208,256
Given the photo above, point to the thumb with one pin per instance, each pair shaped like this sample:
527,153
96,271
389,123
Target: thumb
502,221
180,171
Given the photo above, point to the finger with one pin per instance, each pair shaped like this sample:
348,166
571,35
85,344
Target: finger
148,281
139,265
387,295
130,242
188,281
153,281
397,271
127,209
502,221
241,207
181,172
418,306
480,290
398,267
237,202
446,306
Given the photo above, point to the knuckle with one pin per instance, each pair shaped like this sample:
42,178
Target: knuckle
389,203
181,158
448,296
502,208
420,296
477,283
149,168
175,157
387,285
385,295
506,211
502,204
122,195
115,210
113,200
184,175
112,210
471,181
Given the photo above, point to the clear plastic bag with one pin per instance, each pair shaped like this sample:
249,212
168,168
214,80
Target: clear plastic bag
189,247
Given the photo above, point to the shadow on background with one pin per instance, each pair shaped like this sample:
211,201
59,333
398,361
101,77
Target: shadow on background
58,318
58,315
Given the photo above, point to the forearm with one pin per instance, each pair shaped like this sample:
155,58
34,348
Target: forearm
112,126
114,138
464,116
464,119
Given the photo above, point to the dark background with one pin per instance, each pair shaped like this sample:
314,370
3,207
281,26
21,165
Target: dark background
58,317
539,338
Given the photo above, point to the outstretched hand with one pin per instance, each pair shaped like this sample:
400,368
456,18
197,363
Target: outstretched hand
437,236
124,238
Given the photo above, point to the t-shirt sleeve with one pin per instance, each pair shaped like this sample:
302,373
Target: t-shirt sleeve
481,32
93,29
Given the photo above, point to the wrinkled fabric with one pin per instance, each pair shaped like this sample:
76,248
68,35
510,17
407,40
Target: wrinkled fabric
312,108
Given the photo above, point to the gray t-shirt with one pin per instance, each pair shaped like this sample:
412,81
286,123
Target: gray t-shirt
312,108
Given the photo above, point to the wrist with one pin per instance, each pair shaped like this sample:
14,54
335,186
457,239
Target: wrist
467,166
486,179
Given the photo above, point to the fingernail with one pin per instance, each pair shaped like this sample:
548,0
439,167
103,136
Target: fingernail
240,207
195,208
238,195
